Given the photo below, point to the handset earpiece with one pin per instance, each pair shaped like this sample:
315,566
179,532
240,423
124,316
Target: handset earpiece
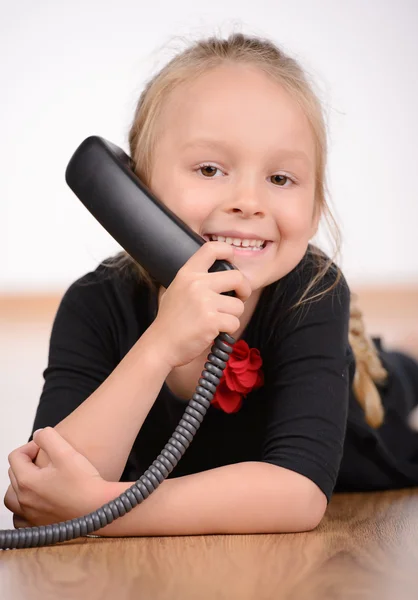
100,174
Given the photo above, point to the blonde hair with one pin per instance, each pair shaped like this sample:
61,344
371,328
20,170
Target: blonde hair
207,54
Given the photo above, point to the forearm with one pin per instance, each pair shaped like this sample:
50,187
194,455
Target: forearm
250,497
104,427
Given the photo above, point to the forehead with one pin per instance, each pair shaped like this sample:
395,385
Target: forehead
239,104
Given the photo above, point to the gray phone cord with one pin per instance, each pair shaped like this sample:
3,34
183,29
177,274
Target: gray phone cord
44,535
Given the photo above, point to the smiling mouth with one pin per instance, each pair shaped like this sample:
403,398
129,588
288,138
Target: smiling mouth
254,245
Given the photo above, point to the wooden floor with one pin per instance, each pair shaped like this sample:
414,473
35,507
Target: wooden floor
365,547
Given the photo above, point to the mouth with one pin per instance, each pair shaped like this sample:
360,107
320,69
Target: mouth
246,244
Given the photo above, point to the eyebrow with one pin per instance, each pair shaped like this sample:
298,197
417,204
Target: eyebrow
220,145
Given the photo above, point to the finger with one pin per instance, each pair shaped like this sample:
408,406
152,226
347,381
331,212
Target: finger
58,449
13,481
224,281
228,324
230,305
31,449
19,522
204,258
21,459
11,501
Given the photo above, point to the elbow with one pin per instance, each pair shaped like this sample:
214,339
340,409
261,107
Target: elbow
297,504
304,521
308,503
313,523
316,508
314,502
308,522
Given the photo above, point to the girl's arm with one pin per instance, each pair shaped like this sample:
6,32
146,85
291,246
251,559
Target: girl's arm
248,497
104,427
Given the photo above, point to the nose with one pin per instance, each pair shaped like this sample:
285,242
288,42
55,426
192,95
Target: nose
246,202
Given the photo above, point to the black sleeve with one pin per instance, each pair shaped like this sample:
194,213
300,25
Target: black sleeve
81,351
309,391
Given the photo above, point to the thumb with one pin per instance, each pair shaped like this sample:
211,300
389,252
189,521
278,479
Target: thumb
57,448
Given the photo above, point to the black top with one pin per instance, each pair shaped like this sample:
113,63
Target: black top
304,418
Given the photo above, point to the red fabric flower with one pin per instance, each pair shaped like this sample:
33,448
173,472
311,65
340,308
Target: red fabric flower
242,374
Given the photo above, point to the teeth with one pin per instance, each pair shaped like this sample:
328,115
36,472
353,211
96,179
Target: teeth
254,245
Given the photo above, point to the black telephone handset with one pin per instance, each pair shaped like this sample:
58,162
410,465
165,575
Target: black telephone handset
101,175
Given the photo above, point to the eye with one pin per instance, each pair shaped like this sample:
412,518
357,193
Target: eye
208,170
279,180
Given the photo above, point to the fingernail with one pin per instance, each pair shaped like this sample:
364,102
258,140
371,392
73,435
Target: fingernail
35,432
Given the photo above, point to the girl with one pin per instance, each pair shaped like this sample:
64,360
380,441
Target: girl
230,136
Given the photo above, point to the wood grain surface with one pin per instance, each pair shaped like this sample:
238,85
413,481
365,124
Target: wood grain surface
365,547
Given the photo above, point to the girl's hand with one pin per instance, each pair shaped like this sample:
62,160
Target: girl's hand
192,311
70,486
12,503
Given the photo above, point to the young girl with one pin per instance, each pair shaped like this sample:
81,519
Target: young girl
230,136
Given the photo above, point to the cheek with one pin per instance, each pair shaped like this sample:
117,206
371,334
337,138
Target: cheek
294,218
190,201
295,225
188,206
180,193
168,190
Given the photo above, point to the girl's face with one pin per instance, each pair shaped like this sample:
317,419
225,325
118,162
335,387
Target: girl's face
235,157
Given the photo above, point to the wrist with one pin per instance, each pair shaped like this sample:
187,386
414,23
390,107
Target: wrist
105,492
156,349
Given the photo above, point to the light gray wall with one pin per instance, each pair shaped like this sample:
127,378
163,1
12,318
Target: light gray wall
73,69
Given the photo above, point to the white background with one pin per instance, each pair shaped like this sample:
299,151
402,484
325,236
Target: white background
72,69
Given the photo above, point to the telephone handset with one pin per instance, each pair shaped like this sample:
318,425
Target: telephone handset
100,174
